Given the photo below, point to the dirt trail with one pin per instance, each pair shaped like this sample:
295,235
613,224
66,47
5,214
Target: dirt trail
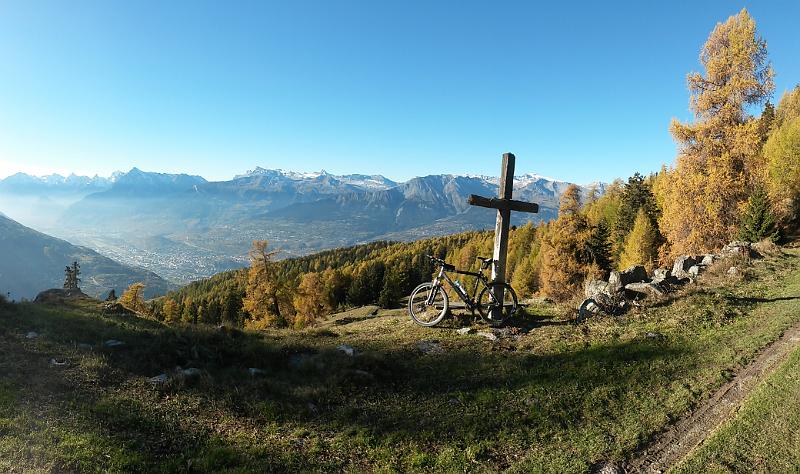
681,438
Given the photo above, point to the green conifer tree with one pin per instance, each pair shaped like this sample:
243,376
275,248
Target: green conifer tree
757,222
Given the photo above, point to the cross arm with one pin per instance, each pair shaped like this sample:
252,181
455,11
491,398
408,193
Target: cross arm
503,204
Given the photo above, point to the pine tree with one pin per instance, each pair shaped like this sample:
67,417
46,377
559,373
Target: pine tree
757,222
599,246
719,154
641,244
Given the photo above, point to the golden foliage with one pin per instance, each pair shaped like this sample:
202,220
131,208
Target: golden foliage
718,153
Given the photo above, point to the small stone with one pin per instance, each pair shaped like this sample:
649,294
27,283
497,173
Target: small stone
733,271
363,373
348,350
654,335
32,335
255,372
605,467
191,372
429,347
465,331
85,347
113,343
159,379
59,362
488,335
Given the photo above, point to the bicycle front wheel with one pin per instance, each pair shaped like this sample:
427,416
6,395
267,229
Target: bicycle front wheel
428,304
491,309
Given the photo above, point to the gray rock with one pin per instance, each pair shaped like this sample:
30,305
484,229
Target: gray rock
709,259
59,362
661,275
32,335
682,265
113,343
488,335
595,287
465,331
587,309
733,271
191,372
614,283
363,373
654,335
694,271
159,379
348,350
647,289
429,347
85,347
737,248
254,372
633,274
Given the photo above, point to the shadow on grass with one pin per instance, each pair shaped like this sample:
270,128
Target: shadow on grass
465,394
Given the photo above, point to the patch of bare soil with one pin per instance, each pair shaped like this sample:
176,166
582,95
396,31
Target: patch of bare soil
671,446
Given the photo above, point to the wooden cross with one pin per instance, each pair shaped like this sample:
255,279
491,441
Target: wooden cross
504,205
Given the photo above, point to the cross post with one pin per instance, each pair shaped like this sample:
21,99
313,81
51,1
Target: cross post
504,205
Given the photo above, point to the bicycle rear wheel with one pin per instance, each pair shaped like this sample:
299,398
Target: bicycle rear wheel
487,304
425,308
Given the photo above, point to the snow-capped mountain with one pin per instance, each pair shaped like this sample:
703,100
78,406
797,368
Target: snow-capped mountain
170,222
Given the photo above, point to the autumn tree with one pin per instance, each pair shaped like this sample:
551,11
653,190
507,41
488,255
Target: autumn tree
266,295
565,256
133,297
718,158
641,244
171,311
310,300
782,156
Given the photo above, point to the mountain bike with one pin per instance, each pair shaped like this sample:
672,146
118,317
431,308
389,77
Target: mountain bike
429,302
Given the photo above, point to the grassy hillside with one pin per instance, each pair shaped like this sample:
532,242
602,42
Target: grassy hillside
33,262
546,396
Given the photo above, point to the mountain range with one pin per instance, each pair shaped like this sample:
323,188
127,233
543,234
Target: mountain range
184,227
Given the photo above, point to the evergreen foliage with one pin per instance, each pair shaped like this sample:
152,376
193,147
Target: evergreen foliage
757,222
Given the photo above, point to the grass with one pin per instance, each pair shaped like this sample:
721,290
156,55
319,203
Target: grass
763,436
548,397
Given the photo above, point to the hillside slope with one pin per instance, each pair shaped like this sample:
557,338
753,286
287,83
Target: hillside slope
32,262
546,396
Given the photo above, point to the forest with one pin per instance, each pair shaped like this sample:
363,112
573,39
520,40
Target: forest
736,176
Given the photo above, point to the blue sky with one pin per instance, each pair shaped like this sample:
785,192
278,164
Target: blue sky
578,91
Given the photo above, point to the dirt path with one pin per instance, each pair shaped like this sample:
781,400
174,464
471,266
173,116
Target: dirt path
681,438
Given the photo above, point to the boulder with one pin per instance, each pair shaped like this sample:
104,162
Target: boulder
647,289
633,274
60,295
661,275
587,309
694,271
682,265
595,287
737,248
31,335
709,259
614,283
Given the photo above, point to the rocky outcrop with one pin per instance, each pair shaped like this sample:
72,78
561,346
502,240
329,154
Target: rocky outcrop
633,283
59,295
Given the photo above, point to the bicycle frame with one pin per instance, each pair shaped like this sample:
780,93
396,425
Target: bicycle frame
469,300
